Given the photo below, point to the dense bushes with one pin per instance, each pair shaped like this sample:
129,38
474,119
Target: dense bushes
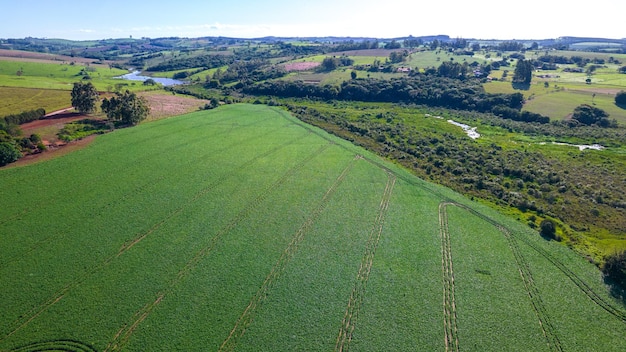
421,89
183,63
8,153
23,117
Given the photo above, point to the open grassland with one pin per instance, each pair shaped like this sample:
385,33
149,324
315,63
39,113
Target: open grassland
60,76
15,100
244,229
559,99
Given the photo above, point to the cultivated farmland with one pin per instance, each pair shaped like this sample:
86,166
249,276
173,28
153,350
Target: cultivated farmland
244,229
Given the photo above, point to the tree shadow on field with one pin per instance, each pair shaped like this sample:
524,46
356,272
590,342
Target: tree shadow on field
621,106
521,86
616,290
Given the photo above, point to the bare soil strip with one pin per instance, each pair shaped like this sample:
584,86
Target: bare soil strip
28,317
122,337
451,338
358,291
247,316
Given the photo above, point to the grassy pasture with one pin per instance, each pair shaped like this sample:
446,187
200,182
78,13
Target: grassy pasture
242,228
15,100
60,76
560,99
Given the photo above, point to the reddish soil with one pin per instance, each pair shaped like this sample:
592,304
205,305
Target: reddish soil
301,66
161,106
40,57
53,152
51,120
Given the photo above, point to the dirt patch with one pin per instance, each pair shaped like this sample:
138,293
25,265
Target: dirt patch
164,105
40,57
48,127
369,52
608,91
53,152
301,66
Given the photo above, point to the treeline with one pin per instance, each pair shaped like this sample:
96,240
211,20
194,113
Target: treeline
183,63
23,117
12,144
423,89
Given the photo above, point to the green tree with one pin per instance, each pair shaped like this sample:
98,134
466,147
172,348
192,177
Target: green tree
84,97
8,153
329,64
523,72
590,115
547,228
353,74
127,107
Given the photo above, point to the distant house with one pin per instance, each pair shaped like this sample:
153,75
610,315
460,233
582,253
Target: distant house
404,69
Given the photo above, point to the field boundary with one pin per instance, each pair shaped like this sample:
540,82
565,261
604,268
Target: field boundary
358,291
122,337
247,316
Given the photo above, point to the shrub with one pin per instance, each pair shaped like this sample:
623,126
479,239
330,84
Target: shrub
547,229
8,153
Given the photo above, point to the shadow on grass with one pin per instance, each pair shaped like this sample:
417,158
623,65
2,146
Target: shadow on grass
521,86
616,290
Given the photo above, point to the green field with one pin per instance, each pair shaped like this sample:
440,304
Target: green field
244,229
59,76
15,100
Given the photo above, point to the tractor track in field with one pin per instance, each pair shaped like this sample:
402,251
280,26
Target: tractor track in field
103,209
56,345
358,291
122,337
29,316
579,282
451,338
548,329
247,316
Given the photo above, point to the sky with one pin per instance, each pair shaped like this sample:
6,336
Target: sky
487,19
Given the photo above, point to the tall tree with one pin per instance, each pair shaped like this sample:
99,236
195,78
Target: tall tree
127,107
523,72
84,97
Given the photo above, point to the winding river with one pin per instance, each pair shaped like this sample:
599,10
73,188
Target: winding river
136,76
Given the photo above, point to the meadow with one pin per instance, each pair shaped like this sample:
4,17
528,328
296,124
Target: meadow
56,75
14,100
244,229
